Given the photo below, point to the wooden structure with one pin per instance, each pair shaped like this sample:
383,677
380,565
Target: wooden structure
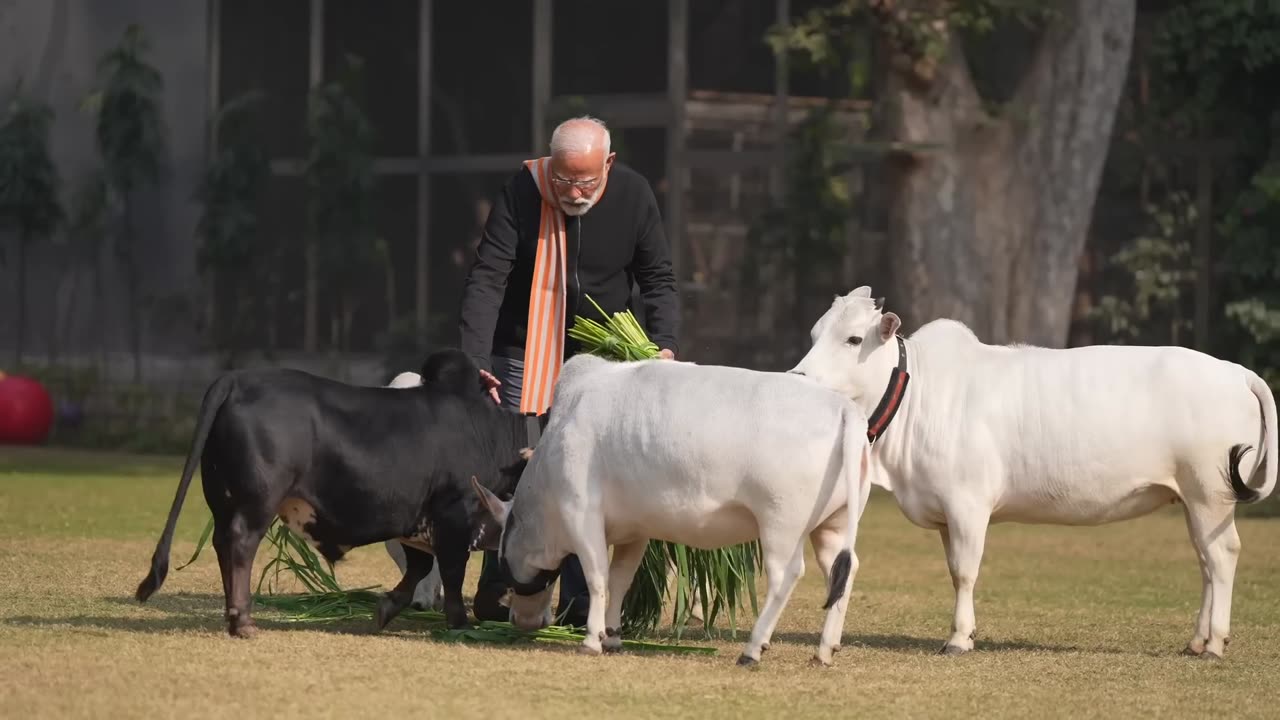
720,148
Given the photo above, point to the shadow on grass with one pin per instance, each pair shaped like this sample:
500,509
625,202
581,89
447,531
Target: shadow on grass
212,624
203,613
209,619
931,646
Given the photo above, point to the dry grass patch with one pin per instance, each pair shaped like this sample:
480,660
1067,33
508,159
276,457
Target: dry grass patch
1072,622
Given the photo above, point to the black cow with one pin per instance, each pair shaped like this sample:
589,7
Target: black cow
347,466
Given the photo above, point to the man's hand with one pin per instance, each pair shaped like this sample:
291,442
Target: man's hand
492,384
666,354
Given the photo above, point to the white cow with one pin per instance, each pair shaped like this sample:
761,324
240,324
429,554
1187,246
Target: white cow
703,456
1085,436
430,592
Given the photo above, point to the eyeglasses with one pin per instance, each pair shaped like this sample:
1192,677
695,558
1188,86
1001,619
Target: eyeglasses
580,184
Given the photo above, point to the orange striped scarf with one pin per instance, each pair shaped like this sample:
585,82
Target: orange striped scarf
544,346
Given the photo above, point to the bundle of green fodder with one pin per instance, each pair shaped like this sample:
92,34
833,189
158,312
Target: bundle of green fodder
326,601
714,579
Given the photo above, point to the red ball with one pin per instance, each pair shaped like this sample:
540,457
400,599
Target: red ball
26,411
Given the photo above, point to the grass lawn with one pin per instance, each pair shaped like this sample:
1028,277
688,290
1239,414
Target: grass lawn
1072,622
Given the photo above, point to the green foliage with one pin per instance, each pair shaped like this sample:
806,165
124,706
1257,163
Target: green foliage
1215,71
836,34
29,180
94,207
1251,266
1159,276
233,250
229,191
129,131
810,225
29,185
130,140
341,185
1210,56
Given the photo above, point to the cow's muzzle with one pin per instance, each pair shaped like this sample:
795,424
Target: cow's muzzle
538,584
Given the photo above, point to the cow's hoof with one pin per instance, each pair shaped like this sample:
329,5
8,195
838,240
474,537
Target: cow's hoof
244,631
745,660
1209,655
612,640
950,649
386,611
817,661
1190,651
588,650
764,648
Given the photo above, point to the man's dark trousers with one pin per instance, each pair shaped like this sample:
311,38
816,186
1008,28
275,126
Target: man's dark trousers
573,585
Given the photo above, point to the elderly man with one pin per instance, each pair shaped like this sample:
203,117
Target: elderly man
573,224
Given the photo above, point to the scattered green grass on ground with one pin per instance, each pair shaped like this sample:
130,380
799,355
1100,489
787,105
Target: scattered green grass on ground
1072,622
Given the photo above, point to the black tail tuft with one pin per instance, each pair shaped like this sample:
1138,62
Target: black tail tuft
839,577
1241,490
155,578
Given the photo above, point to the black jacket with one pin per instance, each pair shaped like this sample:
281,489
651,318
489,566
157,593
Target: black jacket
618,241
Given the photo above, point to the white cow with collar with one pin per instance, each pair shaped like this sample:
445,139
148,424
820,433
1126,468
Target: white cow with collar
1083,436
704,456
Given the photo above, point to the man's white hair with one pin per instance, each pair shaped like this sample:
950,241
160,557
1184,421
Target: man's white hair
579,135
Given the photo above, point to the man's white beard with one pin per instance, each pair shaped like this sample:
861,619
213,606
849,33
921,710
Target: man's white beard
580,206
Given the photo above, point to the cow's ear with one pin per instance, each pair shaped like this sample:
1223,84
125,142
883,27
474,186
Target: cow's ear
889,325
487,535
492,517
494,505
863,291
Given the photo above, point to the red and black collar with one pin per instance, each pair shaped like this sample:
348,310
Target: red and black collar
892,398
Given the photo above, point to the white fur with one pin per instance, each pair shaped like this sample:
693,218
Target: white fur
1081,436
430,592
704,456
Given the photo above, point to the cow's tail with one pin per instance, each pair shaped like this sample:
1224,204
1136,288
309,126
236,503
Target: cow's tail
855,477
1270,449
213,399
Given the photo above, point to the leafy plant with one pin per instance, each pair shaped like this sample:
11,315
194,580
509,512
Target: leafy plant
1251,268
1159,275
29,187
95,208
807,231
130,138
341,183
233,252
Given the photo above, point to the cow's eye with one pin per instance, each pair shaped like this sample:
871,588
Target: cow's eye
854,340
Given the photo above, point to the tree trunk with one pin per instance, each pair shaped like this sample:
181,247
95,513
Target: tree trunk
131,280
68,315
988,228
100,306
21,305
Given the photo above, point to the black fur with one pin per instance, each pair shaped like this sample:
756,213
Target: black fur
375,463
1243,493
839,576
